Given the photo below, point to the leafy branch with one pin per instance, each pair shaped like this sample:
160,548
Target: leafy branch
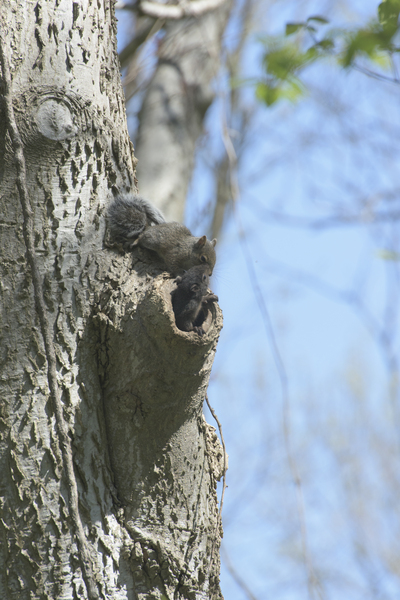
286,57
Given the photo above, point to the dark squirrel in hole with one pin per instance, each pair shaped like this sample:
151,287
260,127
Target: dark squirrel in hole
191,298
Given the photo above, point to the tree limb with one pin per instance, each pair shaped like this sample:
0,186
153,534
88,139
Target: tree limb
185,9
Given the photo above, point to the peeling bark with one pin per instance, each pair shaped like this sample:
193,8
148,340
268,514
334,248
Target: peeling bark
130,383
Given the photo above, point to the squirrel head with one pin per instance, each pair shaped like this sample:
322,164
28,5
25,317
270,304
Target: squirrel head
206,252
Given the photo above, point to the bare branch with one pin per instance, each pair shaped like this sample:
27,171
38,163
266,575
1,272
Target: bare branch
132,6
352,298
175,12
331,222
374,75
141,36
238,119
235,575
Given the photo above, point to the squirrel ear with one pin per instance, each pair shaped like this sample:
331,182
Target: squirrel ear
194,288
201,242
214,241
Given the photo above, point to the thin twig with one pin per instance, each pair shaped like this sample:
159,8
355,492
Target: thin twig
242,584
219,520
372,218
212,411
352,297
373,74
141,36
65,444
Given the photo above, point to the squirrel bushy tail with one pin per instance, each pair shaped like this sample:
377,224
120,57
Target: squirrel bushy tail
128,217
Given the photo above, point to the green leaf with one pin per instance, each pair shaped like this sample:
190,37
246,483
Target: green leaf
326,44
319,19
293,91
382,60
270,93
388,14
267,93
285,61
389,255
365,41
293,27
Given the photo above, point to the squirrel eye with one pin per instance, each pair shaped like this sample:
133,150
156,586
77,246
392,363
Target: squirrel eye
203,258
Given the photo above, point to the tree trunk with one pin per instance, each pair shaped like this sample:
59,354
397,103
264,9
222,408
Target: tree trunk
130,384
173,110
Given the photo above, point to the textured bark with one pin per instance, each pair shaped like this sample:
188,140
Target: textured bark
171,118
131,384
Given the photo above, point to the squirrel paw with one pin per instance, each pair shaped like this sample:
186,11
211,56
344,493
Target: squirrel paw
199,331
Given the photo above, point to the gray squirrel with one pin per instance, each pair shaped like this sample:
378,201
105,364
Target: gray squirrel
133,221
190,299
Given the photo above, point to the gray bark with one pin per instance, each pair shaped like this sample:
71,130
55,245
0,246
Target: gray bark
131,384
